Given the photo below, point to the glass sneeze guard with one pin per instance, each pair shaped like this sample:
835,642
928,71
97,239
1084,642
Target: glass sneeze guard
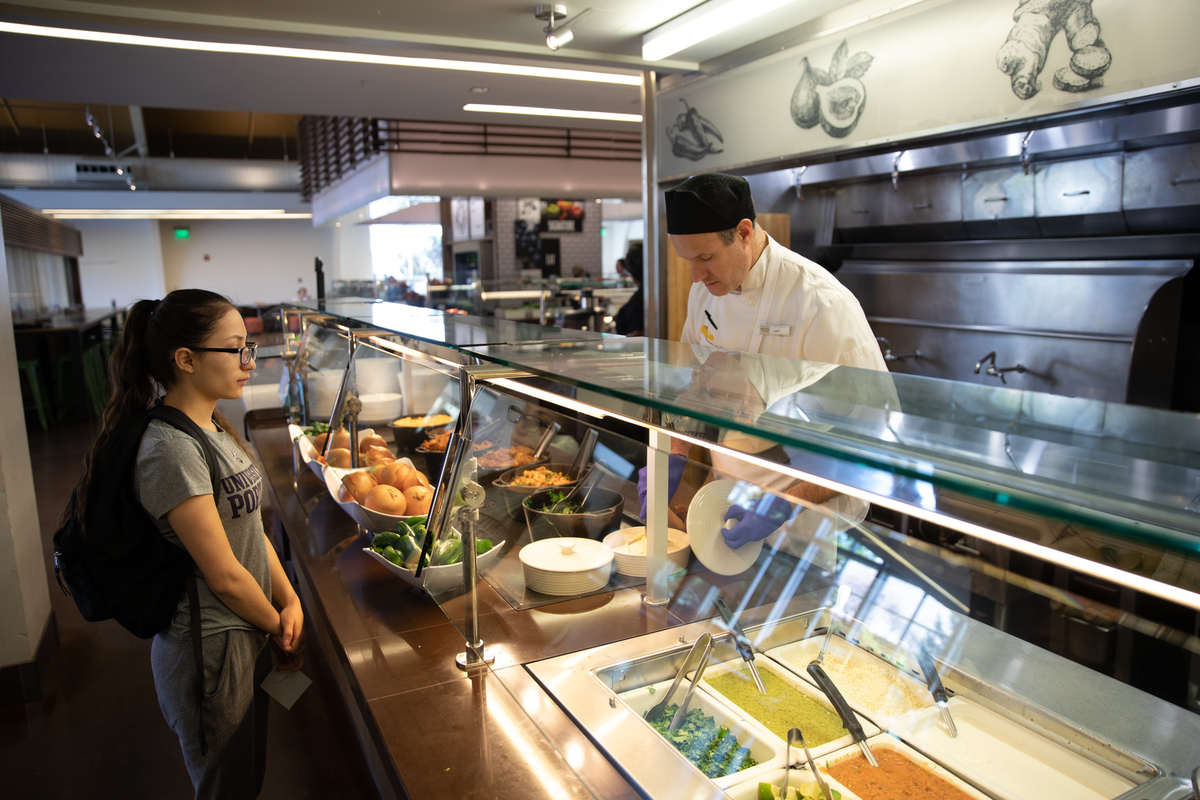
1130,471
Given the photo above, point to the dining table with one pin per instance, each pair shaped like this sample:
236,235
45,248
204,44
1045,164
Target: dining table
76,327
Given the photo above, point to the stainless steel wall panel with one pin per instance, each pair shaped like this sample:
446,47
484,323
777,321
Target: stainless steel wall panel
997,194
1163,176
1076,368
922,200
1071,188
859,205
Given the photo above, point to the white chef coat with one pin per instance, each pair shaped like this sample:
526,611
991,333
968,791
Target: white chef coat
791,307
808,314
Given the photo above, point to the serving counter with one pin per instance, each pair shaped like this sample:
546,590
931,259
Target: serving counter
1039,554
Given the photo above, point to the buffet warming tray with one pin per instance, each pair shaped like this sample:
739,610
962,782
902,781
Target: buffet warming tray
595,688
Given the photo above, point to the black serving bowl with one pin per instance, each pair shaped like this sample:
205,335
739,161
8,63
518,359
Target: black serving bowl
600,514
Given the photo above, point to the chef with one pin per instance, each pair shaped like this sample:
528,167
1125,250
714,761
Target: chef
752,294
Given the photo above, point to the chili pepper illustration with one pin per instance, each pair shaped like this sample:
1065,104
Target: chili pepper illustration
692,135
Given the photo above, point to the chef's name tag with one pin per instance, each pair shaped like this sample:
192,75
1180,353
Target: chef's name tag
775,330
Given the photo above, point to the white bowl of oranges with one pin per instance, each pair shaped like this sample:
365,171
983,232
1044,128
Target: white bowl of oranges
382,492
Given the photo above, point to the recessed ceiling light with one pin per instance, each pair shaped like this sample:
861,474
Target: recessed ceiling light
552,112
321,55
174,213
479,90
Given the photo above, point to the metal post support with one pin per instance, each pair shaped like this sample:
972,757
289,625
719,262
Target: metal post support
654,278
339,404
475,654
353,409
658,460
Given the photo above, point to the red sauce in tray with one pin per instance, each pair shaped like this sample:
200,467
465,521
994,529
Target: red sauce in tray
896,778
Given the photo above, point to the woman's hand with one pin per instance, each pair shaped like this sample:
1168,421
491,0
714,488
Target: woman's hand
290,643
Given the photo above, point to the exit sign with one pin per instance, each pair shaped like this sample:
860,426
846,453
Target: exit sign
182,233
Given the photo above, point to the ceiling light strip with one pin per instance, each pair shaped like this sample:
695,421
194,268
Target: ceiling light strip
702,22
182,213
552,112
319,55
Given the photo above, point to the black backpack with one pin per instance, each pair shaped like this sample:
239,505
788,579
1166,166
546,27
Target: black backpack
116,564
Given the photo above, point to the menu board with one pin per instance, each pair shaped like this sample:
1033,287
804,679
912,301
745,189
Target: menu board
561,216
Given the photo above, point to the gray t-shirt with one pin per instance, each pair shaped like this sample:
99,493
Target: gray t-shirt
170,469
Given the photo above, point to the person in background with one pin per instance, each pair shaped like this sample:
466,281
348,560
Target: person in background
630,319
188,351
620,268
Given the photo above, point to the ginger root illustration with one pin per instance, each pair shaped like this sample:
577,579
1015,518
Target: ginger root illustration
1023,54
692,136
836,97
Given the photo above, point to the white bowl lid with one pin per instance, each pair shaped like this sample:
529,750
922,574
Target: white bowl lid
566,554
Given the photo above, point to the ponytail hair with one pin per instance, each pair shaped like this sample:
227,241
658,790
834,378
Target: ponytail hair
142,366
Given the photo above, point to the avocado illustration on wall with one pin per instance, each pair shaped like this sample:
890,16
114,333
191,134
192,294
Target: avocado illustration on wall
1023,54
835,98
692,136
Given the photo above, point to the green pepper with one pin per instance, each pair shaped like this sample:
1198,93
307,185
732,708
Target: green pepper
391,555
447,552
418,520
385,539
482,546
407,546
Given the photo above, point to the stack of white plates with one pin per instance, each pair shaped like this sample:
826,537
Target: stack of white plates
382,407
421,388
566,566
376,375
323,388
634,564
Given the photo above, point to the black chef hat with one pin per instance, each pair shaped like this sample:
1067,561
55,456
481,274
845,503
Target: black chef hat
707,203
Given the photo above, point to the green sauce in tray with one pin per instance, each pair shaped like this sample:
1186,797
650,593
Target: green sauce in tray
781,708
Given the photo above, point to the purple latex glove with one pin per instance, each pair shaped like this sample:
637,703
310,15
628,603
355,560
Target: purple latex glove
675,465
758,522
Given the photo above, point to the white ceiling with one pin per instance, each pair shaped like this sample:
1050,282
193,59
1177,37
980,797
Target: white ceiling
39,68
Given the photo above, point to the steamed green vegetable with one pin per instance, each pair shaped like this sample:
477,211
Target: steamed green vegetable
714,750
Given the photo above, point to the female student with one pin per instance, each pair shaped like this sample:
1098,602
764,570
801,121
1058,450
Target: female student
190,350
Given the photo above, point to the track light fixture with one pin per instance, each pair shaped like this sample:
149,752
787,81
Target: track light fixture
555,38
108,150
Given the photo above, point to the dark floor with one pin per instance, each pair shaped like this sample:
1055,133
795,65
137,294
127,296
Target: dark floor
98,733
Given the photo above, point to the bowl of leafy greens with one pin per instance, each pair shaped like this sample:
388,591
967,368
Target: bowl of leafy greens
573,513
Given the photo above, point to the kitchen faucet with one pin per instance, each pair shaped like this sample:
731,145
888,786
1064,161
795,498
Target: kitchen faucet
994,371
888,355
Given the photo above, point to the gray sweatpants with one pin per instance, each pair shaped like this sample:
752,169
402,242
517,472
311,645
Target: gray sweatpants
235,709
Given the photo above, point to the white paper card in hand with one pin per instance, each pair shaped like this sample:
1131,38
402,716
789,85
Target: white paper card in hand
286,686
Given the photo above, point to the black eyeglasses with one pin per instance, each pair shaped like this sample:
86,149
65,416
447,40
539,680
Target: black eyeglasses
247,353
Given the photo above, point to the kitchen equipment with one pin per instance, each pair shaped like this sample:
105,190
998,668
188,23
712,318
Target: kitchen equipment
566,566
934,682
634,564
794,735
744,648
681,712
701,646
844,711
706,517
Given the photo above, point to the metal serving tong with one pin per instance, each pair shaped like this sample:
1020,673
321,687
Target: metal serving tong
843,594
794,735
744,648
934,682
849,720
703,647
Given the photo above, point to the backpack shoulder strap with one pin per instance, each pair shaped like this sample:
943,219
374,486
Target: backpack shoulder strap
183,422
